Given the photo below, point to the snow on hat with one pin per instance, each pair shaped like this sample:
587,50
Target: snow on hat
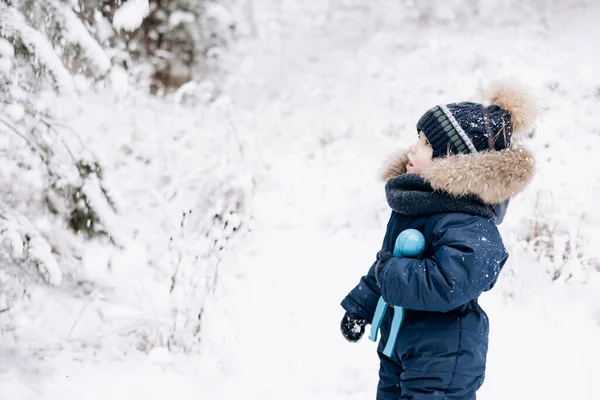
463,128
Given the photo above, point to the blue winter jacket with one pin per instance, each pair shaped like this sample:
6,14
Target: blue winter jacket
444,328
463,257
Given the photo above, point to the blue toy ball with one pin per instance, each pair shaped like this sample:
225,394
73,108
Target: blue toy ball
409,243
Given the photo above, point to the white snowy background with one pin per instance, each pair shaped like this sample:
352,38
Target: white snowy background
315,96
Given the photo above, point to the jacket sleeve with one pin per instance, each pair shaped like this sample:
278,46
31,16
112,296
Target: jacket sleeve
362,300
466,258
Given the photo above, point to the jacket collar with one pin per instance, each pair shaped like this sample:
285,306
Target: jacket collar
411,194
492,176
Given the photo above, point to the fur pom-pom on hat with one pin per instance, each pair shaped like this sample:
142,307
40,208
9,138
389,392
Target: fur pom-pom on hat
516,99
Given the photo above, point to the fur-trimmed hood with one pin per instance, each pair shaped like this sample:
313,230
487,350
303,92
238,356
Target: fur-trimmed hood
492,176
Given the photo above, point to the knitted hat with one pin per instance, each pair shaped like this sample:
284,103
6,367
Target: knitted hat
463,128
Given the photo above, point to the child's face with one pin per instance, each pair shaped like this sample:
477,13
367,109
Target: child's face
420,154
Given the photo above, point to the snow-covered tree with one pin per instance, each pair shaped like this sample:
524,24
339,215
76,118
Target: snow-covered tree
43,48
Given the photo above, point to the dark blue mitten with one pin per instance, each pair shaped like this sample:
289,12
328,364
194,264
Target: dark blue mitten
352,327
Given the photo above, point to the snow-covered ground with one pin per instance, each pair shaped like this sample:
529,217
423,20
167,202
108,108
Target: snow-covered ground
319,98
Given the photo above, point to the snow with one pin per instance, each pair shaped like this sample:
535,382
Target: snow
6,49
13,242
219,13
76,33
104,30
119,81
180,17
6,65
311,108
130,15
15,111
40,47
40,252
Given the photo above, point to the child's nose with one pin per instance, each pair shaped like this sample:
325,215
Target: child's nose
412,148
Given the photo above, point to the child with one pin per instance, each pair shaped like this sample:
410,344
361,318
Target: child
453,185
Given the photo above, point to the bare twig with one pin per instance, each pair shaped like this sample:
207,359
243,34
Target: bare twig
50,121
15,131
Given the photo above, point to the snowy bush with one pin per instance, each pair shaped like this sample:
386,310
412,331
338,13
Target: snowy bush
185,183
560,242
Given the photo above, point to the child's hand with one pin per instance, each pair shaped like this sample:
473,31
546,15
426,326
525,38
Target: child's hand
382,257
352,327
